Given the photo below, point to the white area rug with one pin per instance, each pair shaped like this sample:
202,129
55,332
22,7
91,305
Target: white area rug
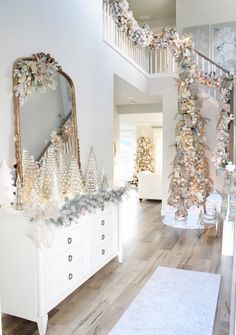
173,302
181,224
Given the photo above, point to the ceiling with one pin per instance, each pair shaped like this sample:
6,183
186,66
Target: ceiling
126,94
131,121
145,10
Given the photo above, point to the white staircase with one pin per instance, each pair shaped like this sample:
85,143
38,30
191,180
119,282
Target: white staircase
147,61
155,63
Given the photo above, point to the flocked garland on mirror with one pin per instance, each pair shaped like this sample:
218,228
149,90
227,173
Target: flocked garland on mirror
36,74
189,180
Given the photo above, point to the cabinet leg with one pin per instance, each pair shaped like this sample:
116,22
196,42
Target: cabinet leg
42,324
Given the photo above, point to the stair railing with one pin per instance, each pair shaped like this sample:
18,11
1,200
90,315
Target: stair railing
207,65
152,62
146,60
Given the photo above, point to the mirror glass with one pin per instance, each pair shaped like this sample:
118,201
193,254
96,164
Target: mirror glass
44,113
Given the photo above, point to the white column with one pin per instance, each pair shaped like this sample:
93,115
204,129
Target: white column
0,319
169,110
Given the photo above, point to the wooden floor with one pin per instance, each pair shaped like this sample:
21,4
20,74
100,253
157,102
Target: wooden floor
95,307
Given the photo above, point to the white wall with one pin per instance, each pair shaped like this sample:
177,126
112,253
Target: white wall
158,141
72,33
191,13
142,109
116,148
167,88
158,24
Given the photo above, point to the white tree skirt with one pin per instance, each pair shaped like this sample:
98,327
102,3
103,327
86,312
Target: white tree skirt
173,302
183,224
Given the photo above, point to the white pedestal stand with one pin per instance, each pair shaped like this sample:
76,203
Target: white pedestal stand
0,319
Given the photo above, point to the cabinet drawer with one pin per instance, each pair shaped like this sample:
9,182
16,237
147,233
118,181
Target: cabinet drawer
66,241
100,255
103,222
101,236
109,208
63,284
62,261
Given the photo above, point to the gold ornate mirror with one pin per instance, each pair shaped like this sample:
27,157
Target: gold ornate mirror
44,107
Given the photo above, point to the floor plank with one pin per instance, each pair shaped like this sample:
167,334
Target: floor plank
97,305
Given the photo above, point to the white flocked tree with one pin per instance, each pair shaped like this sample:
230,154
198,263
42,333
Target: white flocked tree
7,187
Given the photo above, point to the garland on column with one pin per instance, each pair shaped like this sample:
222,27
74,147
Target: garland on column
190,183
189,180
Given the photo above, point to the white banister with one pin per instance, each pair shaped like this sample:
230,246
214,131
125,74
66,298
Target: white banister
150,61
161,59
206,65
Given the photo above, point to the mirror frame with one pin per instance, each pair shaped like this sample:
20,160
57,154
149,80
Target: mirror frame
17,123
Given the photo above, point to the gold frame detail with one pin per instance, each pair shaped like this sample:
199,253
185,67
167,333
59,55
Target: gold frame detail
16,103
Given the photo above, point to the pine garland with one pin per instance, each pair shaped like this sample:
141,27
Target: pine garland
189,183
87,203
37,74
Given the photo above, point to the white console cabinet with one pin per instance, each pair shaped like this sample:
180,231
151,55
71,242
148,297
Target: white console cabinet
34,280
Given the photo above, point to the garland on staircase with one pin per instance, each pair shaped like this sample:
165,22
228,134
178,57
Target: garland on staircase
189,180
124,18
224,117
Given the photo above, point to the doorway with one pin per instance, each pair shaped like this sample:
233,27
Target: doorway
136,115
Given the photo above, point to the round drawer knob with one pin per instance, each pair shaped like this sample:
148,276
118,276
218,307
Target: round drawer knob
103,222
69,240
70,257
70,276
103,237
103,251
